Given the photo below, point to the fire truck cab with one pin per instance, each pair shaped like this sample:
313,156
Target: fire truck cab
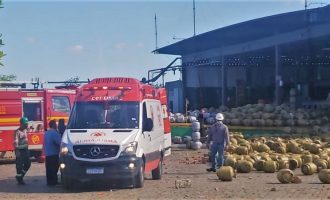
118,130
39,106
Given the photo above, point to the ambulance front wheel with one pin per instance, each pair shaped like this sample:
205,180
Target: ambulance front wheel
67,183
139,178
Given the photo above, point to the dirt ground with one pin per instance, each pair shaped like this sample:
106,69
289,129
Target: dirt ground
182,164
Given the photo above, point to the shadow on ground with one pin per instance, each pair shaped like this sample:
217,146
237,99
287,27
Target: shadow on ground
37,184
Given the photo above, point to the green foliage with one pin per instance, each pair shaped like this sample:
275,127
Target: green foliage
1,55
72,81
10,77
158,85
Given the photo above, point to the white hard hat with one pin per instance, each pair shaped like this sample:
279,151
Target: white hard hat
219,117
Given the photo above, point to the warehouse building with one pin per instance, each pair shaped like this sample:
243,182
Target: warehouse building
260,60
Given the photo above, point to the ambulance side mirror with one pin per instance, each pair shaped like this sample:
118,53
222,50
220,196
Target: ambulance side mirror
148,125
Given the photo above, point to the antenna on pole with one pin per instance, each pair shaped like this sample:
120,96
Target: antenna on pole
194,8
156,34
305,4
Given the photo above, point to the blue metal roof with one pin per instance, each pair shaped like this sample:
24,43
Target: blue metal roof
249,31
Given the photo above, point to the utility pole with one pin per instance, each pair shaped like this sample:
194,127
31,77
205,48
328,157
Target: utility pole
194,10
156,34
305,4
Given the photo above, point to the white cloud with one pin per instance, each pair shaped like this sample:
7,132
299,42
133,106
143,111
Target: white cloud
31,40
139,45
121,45
76,48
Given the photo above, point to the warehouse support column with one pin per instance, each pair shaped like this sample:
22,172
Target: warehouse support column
184,86
278,78
223,81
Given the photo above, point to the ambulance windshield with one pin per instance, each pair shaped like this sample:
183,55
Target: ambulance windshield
104,115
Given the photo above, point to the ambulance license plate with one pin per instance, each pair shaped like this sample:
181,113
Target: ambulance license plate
97,170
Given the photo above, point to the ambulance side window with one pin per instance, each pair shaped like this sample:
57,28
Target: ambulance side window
144,115
61,104
147,123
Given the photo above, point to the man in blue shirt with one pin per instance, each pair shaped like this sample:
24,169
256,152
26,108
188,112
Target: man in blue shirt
218,134
52,142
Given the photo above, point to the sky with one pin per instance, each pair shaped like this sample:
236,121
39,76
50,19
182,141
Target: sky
59,39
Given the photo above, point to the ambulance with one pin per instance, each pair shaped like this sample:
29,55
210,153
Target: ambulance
118,130
39,106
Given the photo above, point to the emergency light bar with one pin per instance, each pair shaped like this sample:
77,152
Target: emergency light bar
108,88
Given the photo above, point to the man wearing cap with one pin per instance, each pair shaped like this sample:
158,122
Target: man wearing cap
218,134
23,162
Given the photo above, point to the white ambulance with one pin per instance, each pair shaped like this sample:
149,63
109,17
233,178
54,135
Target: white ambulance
115,132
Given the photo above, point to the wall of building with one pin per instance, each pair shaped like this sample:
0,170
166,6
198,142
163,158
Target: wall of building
244,84
175,96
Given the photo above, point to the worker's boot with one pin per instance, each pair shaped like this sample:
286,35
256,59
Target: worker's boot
19,180
211,170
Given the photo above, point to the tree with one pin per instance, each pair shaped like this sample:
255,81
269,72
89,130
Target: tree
73,81
9,77
1,55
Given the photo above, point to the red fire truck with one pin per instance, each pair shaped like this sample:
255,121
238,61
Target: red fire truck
39,106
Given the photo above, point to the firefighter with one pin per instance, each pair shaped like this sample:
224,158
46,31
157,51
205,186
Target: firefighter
52,141
218,134
23,162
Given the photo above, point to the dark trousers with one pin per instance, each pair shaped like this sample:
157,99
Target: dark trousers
52,165
23,163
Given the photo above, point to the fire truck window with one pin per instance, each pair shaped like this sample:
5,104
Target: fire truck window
32,111
61,104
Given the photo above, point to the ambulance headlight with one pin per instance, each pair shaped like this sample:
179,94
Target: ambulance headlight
130,148
64,149
62,166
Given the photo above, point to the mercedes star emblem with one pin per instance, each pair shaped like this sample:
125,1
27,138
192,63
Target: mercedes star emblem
95,151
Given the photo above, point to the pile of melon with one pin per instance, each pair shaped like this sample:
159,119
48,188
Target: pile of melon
263,115
281,155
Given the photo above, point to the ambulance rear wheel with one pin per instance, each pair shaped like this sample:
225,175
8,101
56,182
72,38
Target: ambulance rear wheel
157,173
139,178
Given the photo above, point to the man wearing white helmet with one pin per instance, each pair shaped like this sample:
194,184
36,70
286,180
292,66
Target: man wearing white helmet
218,134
